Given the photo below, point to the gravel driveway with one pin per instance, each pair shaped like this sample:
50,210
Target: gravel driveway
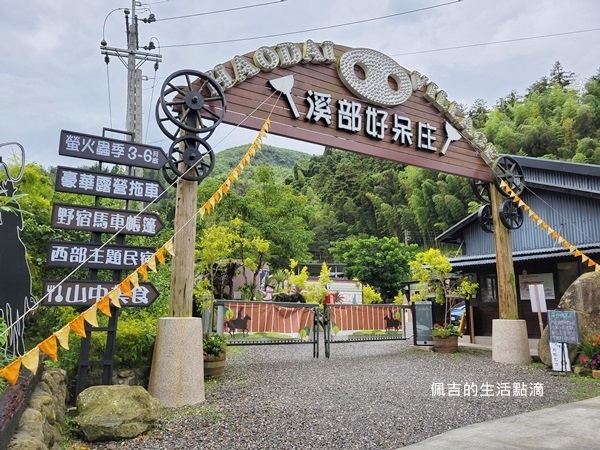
374,395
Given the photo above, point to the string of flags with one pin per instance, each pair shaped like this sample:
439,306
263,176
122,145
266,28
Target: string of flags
49,346
548,229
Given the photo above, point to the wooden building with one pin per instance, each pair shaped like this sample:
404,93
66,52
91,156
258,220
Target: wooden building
567,197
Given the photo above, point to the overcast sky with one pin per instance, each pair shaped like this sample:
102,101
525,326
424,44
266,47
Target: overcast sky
53,77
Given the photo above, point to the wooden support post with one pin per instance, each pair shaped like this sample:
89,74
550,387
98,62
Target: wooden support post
182,278
507,290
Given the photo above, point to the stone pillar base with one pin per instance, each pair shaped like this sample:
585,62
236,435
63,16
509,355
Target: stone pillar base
177,373
509,342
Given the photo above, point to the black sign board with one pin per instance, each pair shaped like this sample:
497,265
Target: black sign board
86,293
114,151
106,185
563,326
104,220
423,323
109,257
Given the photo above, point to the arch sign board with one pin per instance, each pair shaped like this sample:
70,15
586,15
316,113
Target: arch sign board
358,100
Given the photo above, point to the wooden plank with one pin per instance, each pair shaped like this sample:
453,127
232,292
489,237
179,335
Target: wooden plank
249,104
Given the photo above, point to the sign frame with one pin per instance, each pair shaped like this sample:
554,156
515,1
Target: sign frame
119,151
112,217
134,252
103,287
131,185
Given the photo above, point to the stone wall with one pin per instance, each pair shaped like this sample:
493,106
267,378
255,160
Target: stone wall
42,422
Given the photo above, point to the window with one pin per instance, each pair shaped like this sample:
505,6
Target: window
489,289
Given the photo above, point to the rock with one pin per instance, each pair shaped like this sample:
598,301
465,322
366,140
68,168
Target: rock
107,413
582,296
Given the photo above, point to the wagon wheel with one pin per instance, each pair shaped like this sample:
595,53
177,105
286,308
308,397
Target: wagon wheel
191,158
3,165
484,216
196,106
481,189
507,169
169,175
511,215
169,128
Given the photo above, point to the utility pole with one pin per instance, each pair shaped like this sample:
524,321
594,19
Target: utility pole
132,58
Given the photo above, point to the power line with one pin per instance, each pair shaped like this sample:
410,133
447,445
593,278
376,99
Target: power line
356,22
541,36
220,11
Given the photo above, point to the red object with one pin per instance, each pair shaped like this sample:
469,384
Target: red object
328,299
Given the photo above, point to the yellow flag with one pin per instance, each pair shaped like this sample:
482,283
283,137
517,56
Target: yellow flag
104,306
561,239
63,336
521,203
90,315
31,359
202,211
49,347
114,297
151,264
213,200
11,372
584,258
169,247
125,287
78,326
550,230
160,255
143,269
135,279
597,269
540,221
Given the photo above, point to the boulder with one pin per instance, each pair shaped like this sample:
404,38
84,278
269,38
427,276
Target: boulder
582,296
108,413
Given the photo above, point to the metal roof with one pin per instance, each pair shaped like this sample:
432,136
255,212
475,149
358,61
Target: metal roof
542,253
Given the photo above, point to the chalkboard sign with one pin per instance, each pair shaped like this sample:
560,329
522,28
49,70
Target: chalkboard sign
563,326
423,323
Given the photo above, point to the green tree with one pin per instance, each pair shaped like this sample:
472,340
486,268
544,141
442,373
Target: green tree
379,262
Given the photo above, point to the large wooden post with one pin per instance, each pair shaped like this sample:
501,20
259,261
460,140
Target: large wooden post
182,277
510,342
505,271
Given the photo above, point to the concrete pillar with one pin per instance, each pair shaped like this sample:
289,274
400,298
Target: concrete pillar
177,373
509,341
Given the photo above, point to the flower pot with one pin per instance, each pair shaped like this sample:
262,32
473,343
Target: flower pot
214,366
595,373
445,345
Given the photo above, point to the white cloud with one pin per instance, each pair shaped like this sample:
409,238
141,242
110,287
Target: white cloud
53,77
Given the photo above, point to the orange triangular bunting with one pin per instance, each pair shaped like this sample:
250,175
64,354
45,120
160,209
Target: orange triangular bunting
78,325
31,359
554,235
49,347
125,287
544,226
160,255
11,372
104,306
63,336
526,207
143,269
591,263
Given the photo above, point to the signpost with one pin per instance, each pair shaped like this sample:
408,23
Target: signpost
87,293
563,329
104,220
110,257
99,148
124,187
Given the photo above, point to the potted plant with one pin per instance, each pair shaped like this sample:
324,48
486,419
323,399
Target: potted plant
432,269
445,338
215,350
589,351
